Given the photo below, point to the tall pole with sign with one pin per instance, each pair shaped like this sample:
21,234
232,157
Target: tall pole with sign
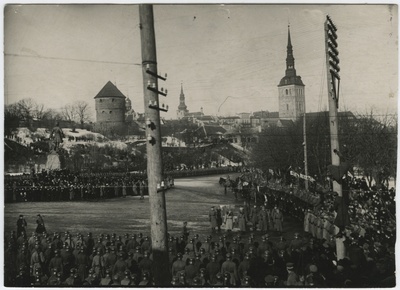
152,108
333,69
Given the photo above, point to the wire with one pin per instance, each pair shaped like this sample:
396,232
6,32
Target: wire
70,59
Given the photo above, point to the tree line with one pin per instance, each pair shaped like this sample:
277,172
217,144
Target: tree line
27,111
367,141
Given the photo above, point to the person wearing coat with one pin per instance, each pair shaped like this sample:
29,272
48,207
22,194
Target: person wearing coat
40,229
242,219
277,216
213,219
254,217
229,220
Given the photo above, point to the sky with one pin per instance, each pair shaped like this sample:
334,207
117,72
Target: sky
228,58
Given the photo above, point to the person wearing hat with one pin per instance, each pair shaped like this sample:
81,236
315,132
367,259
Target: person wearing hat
265,245
191,247
242,220
106,281
115,281
37,259
40,228
53,278
178,265
98,263
254,217
110,258
197,262
277,217
185,231
172,244
171,256
315,279
181,244
137,255
70,280
56,262
190,271
207,245
295,244
146,245
188,254
120,266
21,225
67,258
146,264
131,243
230,267
212,268
263,219
126,281
182,278
203,277
244,267
292,278
212,215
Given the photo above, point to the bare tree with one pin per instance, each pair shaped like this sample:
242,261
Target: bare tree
26,108
68,112
83,112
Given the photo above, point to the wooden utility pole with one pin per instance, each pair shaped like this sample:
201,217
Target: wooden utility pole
158,212
332,64
305,150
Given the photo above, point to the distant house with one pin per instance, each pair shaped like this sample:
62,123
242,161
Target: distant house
243,135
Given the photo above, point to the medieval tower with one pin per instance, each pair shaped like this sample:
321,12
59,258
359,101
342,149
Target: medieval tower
110,106
291,89
182,108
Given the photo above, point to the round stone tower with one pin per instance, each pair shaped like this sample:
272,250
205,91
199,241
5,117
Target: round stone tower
110,105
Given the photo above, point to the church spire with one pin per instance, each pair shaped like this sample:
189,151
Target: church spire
290,70
182,106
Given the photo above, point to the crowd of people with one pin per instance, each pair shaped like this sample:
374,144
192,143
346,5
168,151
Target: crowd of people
66,186
226,260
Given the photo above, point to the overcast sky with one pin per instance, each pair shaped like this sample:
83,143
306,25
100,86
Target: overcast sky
58,54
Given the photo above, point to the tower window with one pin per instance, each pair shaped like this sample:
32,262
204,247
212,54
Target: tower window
112,100
287,107
287,91
101,100
110,112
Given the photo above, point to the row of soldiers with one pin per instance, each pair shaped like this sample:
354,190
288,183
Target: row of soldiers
69,187
70,191
63,259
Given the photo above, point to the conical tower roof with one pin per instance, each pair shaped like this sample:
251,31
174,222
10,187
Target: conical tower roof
110,91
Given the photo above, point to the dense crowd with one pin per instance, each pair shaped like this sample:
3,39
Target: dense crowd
232,258
66,186
223,260
370,213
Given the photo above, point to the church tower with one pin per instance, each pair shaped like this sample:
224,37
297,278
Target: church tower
291,89
182,108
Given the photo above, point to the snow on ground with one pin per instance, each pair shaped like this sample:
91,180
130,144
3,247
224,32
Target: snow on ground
79,136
